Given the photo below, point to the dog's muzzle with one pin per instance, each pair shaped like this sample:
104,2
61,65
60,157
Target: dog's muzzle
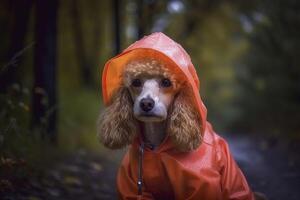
147,104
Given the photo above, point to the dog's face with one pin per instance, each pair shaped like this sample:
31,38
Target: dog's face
152,97
152,90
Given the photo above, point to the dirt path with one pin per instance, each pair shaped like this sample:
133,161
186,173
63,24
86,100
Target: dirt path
82,175
273,170
271,167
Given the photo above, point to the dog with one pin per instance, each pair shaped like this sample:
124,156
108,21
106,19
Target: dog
154,107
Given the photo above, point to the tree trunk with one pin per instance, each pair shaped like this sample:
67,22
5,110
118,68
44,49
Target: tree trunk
80,48
145,16
140,18
20,11
44,88
117,26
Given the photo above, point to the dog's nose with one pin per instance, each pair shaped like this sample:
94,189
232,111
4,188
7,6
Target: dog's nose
147,104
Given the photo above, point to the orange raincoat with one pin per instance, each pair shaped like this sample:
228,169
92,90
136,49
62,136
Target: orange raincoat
207,173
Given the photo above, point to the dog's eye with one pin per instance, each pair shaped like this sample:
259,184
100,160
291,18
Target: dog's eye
136,83
166,82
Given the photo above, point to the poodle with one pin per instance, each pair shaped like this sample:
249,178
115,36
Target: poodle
151,91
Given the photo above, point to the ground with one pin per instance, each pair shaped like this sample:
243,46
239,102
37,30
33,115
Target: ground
271,167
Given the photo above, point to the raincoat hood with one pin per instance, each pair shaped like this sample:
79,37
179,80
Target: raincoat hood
208,172
161,47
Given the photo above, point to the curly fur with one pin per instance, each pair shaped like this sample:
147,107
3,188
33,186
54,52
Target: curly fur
148,66
117,125
184,126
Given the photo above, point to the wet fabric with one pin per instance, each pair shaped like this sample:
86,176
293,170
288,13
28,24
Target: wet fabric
208,172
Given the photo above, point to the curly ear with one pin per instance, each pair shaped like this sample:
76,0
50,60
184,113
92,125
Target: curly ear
184,125
117,125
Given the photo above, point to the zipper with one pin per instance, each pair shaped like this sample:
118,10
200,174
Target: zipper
140,169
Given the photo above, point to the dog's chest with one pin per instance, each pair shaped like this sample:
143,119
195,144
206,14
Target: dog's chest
155,176
167,176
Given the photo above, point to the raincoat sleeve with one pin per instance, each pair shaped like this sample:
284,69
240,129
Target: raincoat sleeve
127,185
233,183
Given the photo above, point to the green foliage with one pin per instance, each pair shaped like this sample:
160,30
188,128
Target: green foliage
17,140
77,107
79,110
96,26
269,76
13,120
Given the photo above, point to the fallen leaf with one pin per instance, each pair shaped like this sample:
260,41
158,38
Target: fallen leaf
72,180
33,198
96,166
